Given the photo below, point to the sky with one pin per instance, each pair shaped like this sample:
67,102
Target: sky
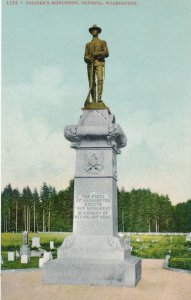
147,87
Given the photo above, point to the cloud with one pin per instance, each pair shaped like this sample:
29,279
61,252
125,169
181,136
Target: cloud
32,150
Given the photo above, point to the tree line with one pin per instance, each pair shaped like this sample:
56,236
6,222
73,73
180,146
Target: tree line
48,210
143,211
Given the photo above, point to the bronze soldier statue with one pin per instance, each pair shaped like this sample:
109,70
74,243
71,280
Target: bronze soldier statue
95,53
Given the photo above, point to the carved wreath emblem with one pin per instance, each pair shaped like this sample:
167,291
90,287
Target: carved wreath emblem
93,162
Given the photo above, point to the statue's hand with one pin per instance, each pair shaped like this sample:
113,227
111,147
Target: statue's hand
89,59
96,55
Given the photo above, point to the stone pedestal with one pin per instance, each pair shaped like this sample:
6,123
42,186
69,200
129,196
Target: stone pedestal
25,250
95,254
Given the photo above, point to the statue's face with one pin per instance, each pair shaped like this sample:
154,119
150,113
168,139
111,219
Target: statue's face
95,32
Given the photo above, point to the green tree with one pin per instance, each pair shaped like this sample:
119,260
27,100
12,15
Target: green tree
183,216
47,196
16,197
27,199
36,208
6,197
188,216
122,210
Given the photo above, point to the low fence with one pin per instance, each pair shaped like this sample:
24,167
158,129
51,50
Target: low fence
122,233
155,233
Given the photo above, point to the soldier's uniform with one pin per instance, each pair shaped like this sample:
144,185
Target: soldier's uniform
95,53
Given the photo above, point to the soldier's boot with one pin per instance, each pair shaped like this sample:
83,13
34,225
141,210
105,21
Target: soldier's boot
99,90
88,100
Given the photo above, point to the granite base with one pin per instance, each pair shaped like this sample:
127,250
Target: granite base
93,272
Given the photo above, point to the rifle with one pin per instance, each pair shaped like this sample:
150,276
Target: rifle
91,85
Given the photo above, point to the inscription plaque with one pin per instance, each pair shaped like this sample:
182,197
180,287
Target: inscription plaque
93,206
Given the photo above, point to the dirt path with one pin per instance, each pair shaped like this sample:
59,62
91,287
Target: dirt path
156,284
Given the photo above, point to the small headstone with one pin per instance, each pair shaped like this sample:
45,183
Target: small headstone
138,239
188,237
120,234
42,260
47,256
11,256
24,259
36,242
51,245
167,258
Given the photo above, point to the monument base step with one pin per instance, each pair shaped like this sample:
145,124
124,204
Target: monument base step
93,272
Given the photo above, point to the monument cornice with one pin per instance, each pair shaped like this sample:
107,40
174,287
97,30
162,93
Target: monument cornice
112,134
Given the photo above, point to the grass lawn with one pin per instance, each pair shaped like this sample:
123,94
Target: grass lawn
7,265
144,246
13,242
158,246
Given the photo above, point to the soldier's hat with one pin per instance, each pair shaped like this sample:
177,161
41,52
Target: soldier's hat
95,27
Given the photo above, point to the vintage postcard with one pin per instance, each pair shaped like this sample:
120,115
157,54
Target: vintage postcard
96,140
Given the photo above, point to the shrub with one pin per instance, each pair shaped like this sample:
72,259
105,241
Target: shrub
179,252
180,263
